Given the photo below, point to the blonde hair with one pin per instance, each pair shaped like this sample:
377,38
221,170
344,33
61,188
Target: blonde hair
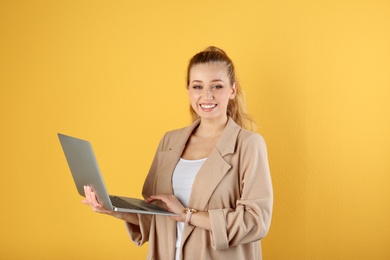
236,107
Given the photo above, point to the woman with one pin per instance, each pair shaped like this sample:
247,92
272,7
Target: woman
213,174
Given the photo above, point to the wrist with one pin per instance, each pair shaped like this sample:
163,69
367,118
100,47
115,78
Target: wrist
119,215
189,212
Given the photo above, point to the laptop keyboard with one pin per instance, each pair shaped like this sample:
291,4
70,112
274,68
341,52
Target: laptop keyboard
120,203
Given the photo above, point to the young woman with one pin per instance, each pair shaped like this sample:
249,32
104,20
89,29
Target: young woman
213,174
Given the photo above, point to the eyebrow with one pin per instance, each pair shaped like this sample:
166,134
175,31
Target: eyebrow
214,80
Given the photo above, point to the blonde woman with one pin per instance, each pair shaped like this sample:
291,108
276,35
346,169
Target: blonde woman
213,174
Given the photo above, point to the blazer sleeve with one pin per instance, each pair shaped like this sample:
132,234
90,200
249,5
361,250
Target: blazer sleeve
251,219
139,234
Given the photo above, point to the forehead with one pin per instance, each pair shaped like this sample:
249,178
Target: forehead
209,70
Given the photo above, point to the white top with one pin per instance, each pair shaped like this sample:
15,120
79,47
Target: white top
182,180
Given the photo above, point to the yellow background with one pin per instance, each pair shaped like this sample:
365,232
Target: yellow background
316,76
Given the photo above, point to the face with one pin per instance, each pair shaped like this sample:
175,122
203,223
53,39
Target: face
210,90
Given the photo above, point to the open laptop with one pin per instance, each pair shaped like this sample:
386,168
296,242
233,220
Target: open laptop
85,171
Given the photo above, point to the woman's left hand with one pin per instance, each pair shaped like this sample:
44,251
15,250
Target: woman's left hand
172,204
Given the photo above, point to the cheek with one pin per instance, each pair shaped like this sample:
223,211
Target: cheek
193,98
225,98
193,94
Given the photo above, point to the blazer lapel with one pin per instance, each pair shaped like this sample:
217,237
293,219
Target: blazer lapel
212,171
214,168
169,158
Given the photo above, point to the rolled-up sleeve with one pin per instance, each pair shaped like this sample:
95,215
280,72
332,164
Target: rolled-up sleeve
139,234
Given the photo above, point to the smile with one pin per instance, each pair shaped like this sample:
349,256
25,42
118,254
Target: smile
208,106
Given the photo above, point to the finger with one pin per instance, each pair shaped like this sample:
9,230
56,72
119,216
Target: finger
91,200
158,197
150,200
86,194
87,191
91,197
94,201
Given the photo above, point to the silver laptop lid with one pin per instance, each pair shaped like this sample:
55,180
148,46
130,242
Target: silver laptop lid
84,167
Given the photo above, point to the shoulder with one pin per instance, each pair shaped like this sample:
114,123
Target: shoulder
250,136
172,135
250,140
251,151
236,139
178,137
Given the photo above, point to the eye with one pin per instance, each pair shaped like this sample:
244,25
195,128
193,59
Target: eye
217,86
197,87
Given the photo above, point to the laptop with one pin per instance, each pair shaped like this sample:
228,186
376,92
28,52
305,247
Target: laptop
85,171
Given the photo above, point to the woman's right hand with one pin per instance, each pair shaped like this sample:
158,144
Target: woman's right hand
91,200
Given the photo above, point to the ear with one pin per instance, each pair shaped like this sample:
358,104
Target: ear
234,91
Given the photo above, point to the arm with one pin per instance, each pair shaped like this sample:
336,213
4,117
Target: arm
200,219
91,200
250,218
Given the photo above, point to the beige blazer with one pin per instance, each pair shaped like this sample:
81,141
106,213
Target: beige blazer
233,185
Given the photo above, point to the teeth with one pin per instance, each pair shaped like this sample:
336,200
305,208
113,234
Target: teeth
207,106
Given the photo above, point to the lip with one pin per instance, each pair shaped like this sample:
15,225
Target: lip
208,106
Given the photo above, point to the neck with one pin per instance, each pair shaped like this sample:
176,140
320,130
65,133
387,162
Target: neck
211,128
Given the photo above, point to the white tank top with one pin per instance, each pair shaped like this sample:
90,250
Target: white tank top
182,180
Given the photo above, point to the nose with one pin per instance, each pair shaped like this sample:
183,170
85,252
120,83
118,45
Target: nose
208,94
